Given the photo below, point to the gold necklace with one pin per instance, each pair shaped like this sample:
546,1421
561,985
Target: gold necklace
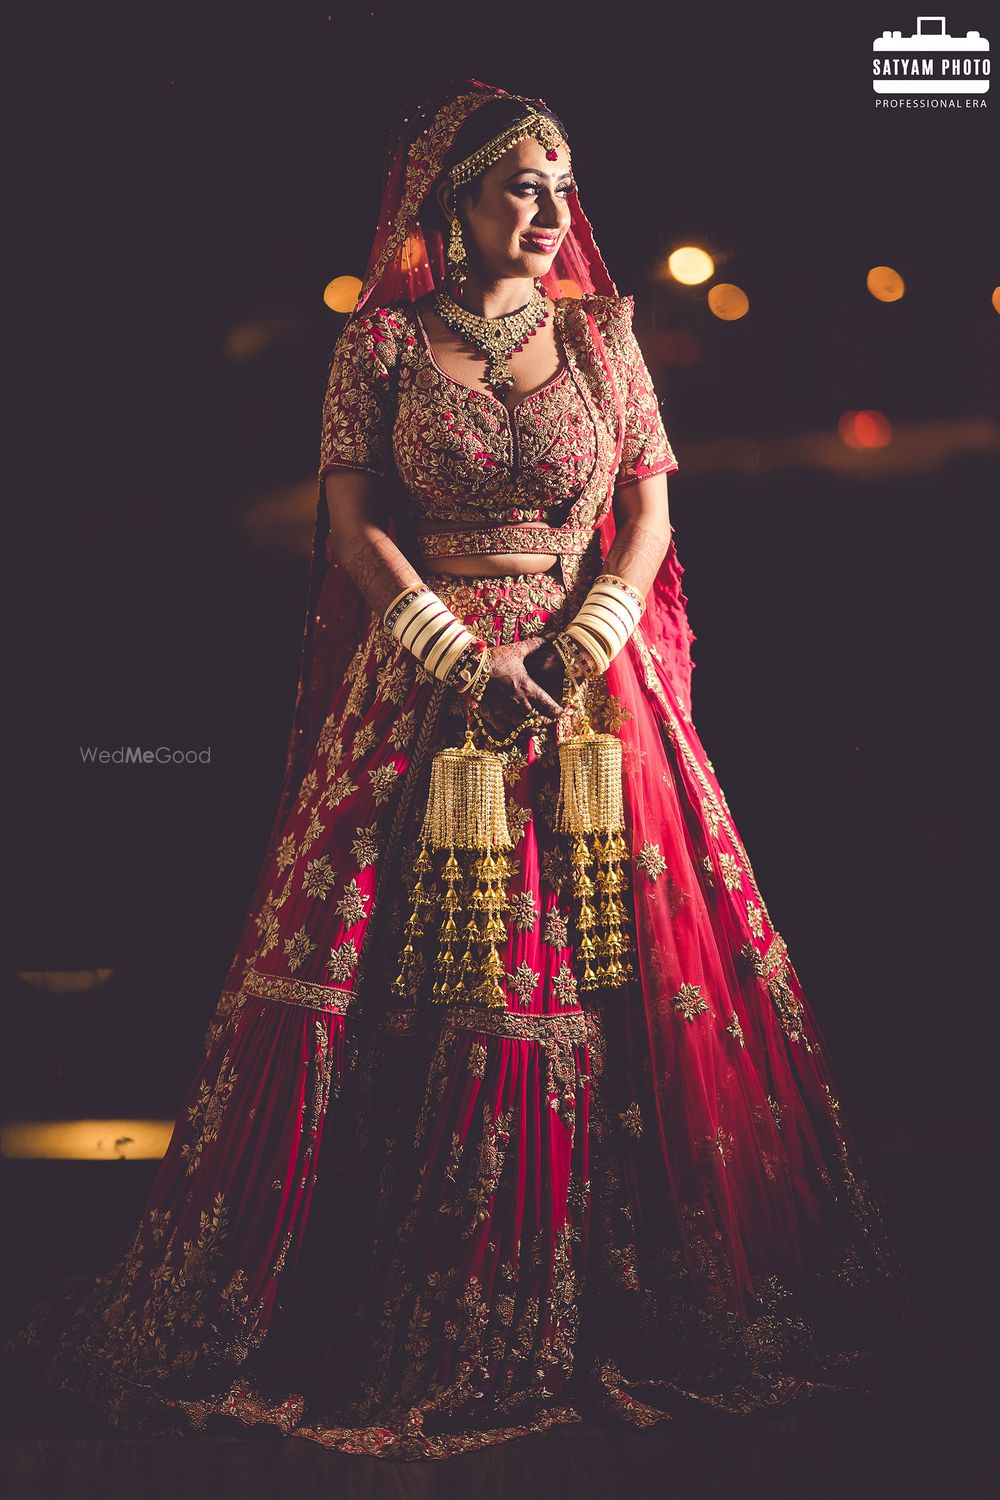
498,338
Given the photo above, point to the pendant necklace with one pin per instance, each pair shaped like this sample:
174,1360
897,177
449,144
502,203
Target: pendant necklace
498,338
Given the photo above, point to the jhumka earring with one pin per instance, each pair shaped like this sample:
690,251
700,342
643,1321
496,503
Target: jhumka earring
457,260
590,809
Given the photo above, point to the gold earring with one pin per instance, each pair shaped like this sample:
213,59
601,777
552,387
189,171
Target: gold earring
457,259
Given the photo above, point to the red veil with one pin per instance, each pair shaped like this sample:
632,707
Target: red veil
747,1129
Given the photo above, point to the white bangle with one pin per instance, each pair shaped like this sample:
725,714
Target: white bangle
453,631
590,643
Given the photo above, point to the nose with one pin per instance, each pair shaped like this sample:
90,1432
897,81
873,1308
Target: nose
550,211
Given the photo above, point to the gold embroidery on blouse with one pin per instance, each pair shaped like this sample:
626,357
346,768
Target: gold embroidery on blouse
462,455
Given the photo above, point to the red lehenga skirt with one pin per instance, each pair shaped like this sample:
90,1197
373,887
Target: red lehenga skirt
412,1229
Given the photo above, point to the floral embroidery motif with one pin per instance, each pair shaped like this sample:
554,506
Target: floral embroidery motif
365,847
394,680
753,959
555,869
523,911
736,1030
298,948
518,818
403,730
689,1002
270,932
383,779
312,833
285,853
523,982
731,872
564,985
306,789
318,878
343,960
651,860
723,1142
755,920
363,741
512,599
340,786
630,1120
615,714
352,903
556,930
206,1113
786,1002
330,742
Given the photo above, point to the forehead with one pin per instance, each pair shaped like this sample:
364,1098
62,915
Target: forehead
531,153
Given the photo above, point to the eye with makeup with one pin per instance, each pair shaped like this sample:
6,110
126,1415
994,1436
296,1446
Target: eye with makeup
565,187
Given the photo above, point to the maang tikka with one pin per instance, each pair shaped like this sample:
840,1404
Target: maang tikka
536,125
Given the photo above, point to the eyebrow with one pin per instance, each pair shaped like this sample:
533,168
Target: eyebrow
538,173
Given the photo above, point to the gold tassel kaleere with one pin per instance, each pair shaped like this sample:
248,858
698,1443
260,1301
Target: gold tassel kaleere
591,810
466,815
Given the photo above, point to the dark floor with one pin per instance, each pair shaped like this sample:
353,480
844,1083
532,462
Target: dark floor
924,1432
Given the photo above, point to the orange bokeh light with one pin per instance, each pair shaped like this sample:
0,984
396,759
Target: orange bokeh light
885,284
728,302
865,429
341,294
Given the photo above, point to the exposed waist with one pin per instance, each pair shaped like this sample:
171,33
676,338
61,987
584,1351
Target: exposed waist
524,538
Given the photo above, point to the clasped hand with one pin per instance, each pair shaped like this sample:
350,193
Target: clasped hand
513,691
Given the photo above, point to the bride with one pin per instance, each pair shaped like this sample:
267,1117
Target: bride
512,1111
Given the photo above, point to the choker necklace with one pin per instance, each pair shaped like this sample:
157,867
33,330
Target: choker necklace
498,338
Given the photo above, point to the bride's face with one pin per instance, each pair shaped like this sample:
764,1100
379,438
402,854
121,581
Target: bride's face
521,214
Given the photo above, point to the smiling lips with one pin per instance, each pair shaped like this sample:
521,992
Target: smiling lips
544,243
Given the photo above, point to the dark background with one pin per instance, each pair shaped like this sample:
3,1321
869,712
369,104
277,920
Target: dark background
187,179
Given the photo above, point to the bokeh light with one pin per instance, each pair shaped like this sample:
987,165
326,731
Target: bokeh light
865,429
341,294
728,302
996,299
690,265
570,288
85,1140
885,284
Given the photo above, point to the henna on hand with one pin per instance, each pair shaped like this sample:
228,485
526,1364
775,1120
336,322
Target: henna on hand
513,691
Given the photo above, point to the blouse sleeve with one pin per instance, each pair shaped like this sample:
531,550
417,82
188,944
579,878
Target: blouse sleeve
646,449
359,406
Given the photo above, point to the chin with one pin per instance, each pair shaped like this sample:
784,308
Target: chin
534,263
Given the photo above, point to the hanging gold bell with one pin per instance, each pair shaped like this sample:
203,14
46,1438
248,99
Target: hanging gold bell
590,809
466,820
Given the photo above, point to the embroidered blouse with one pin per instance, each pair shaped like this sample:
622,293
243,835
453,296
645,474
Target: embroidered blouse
462,456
